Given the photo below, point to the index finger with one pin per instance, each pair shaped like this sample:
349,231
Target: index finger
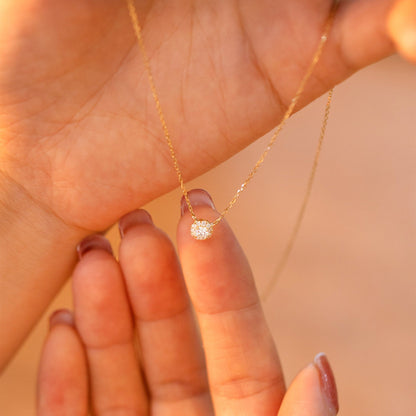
244,371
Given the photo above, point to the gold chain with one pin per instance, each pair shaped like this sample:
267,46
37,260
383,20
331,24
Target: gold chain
288,113
289,246
253,171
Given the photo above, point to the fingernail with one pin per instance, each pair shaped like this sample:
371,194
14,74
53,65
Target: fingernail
138,216
197,197
93,242
61,316
328,385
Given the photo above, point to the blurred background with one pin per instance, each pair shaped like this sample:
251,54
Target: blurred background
349,288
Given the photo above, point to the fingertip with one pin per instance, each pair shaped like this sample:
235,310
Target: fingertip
133,218
204,209
197,197
62,377
61,316
151,270
406,43
99,295
327,378
308,394
92,243
216,269
402,28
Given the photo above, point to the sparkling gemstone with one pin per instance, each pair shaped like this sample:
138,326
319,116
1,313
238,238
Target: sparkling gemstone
201,229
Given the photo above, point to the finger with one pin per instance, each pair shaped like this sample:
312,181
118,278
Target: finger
313,392
402,28
63,377
103,319
360,35
243,367
172,356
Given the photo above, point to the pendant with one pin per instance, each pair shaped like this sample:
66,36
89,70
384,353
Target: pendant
202,229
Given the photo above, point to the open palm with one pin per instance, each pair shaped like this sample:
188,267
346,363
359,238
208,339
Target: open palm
79,131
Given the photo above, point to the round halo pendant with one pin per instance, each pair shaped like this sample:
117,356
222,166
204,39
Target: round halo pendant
202,229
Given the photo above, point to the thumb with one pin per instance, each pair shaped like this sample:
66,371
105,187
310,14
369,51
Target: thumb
402,28
313,392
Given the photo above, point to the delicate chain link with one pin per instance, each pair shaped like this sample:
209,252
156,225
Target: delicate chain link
138,31
289,246
288,113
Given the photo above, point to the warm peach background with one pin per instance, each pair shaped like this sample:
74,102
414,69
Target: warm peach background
349,288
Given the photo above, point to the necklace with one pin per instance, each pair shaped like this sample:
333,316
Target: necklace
202,229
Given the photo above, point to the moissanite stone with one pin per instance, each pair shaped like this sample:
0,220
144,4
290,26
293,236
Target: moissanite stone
201,229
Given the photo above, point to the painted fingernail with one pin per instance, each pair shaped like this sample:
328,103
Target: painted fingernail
136,217
61,316
327,382
93,242
197,197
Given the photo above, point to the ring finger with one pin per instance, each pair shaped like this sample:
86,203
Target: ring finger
105,325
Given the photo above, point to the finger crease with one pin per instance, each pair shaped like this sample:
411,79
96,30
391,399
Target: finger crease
173,315
244,387
118,344
246,308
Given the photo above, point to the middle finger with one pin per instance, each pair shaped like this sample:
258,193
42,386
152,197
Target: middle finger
172,356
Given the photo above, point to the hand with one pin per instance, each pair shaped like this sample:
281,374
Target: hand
79,132
80,142
235,372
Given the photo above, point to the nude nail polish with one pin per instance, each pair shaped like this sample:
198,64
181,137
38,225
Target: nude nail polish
328,385
61,316
197,197
93,242
136,217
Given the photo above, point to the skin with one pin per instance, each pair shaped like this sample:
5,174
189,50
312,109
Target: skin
68,94
234,371
81,143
